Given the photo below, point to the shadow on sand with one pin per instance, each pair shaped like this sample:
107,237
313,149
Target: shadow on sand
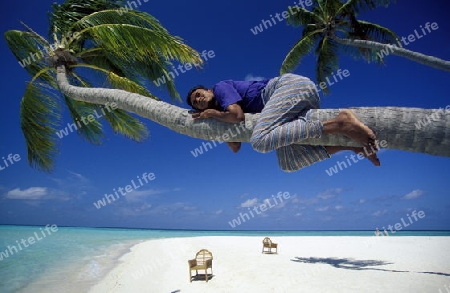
353,264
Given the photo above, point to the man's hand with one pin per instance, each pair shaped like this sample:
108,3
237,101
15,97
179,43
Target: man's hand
208,113
234,146
234,114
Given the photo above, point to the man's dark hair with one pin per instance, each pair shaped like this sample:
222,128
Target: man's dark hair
197,87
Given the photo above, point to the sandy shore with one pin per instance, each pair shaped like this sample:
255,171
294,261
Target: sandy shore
303,264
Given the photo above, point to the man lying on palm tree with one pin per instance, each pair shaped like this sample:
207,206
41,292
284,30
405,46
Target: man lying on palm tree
283,102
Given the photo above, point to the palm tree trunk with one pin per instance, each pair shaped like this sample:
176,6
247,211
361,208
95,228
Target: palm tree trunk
398,127
399,51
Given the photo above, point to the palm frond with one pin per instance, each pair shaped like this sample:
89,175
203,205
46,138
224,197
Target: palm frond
98,57
39,117
377,33
137,32
303,17
84,116
40,38
119,82
331,8
368,55
29,51
302,48
357,6
120,121
141,70
130,42
137,52
119,16
64,15
126,124
136,45
364,30
327,60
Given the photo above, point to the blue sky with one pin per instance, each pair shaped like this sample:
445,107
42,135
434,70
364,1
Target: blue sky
212,189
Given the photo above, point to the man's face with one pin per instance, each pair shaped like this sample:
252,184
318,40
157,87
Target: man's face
202,99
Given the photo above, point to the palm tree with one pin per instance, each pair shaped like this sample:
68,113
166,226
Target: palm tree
332,25
100,44
397,126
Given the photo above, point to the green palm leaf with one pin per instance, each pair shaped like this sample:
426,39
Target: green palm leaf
123,40
120,121
116,81
39,118
124,49
377,32
134,31
29,51
334,21
136,45
302,48
303,17
369,31
83,116
327,60
64,15
127,125
356,6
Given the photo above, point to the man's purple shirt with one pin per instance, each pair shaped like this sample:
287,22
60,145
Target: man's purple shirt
246,94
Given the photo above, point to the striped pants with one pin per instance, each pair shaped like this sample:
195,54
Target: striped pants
283,122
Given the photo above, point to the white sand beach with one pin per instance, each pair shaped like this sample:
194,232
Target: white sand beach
303,264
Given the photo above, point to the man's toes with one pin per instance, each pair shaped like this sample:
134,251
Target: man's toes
374,159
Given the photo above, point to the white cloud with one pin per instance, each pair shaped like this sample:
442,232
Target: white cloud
249,203
30,193
362,201
413,194
144,207
138,195
380,213
165,210
322,209
279,204
339,207
250,76
330,193
76,183
78,176
304,201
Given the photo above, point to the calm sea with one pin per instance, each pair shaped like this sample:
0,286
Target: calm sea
71,259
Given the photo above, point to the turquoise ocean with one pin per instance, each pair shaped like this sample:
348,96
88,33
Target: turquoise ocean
71,259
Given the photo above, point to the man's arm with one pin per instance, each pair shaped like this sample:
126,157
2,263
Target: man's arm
234,114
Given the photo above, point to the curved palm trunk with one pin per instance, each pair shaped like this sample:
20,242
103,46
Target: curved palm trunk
399,51
397,126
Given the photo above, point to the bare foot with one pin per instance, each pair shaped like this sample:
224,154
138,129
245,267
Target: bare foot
234,146
347,124
371,155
